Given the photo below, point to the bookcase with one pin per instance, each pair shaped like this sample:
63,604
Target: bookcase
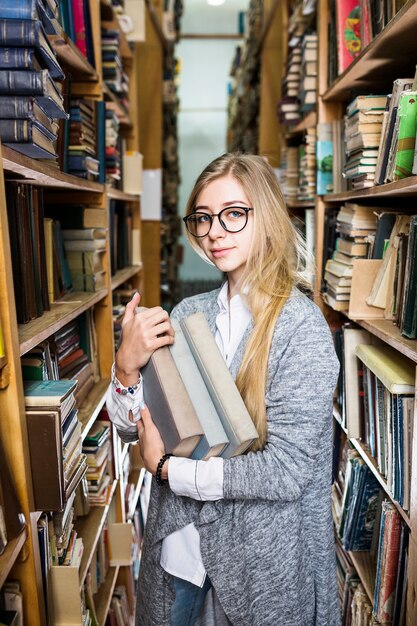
22,559
371,72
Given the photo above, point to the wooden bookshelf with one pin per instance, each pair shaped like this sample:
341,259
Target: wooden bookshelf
102,598
41,174
62,312
89,527
123,275
117,194
300,205
10,554
407,187
389,55
309,121
92,405
117,106
390,334
136,478
72,59
365,565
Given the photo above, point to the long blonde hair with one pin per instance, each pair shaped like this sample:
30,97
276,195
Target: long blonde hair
274,265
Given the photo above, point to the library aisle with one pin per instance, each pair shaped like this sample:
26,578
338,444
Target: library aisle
92,182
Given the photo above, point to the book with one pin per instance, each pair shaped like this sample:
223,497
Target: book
366,103
29,137
83,233
407,127
170,405
32,83
215,439
392,368
232,411
409,306
85,262
84,245
352,337
30,33
48,392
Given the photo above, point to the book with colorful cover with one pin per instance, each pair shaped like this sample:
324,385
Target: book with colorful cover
348,33
407,114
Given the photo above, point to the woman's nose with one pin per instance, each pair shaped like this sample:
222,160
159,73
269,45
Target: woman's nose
216,229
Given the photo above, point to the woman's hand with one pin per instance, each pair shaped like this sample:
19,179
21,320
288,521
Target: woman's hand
142,333
151,445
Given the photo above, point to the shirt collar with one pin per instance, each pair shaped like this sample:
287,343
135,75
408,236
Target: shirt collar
236,302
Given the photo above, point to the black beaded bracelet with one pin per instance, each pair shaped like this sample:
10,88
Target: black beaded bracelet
158,477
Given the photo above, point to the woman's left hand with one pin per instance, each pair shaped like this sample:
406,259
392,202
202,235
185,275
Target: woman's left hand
151,445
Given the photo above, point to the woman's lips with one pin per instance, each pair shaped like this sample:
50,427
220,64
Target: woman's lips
220,252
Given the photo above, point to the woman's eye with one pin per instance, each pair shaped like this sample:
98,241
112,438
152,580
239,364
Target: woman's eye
235,214
203,219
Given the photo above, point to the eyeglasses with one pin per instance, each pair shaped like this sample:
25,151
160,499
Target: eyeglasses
233,219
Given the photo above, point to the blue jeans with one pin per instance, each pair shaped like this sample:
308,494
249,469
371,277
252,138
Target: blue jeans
188,601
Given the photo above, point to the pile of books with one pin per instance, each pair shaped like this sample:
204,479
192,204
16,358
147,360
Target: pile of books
354,224
119,613
308,75
363,128
82,141
307,182
290,173
289,105
96,447
113,158
84,249
30,98
114,74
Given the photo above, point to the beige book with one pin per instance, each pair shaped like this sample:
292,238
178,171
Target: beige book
394,370
352,337
363,277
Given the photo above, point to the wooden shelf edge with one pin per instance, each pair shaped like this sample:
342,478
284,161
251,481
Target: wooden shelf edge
71,57
123,275
365,566
92,405
31,334
93,523
32,171
10,554
309,121
405,187
303,204
117,194
104,595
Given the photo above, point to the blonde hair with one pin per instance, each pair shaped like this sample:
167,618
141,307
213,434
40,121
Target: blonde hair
275,262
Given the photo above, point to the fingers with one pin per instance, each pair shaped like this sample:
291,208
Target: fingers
130,308
146,416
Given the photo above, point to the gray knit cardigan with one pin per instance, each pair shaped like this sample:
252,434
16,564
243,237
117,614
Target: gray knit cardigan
268,546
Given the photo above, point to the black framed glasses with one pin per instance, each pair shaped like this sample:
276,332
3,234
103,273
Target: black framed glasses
233,219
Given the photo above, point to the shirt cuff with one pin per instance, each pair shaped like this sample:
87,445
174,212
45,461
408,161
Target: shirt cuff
200,480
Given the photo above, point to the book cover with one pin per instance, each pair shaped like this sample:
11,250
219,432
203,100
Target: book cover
47,393
409,315
392,368
348,32
232,411
215,439
324,156
407,114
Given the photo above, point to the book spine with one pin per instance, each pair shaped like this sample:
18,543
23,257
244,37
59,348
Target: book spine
404,157
19,32
19,10
348,32
22,82
15,131
13,58
79,26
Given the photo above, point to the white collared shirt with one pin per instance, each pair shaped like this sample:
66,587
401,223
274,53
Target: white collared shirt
201,480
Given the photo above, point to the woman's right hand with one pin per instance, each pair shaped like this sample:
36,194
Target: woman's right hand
142,333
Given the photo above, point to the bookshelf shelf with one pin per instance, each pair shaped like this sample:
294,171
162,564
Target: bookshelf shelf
136,477
398,188
372,466
92,405
115,104
69,56
309,121
10,554
365,565
103,597
62,312
123,275
374,70
300,205
89,528
41,174
116,194
390,334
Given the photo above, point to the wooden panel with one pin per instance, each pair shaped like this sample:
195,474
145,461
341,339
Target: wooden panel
9,556
103,597
365,565
272,64
123,275
150,241
398,188
92,405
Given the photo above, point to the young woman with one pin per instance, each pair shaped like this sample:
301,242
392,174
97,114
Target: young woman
255,530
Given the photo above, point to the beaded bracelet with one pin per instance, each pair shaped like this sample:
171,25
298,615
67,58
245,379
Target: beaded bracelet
158,474
121,389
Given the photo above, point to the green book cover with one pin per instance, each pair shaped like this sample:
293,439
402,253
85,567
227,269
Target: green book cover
407,113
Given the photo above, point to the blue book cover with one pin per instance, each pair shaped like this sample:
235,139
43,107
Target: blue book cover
101,139
379,562
19,10
47,392
324,158
361,538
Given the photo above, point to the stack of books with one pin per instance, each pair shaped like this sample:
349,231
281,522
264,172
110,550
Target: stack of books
308,76
363,128
30,98
82,141
354,224
289,106
113,73
81,241
54,434
96,447
290,173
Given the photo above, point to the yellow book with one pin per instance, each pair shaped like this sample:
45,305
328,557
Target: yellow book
393,369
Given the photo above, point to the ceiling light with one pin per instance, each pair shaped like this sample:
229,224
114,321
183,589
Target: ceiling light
215,3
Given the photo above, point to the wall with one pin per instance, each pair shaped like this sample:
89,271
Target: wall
202,121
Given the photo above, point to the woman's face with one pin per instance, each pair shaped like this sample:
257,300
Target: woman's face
228,251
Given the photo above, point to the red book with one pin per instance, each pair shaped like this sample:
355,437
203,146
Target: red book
389,565
79,25
348,32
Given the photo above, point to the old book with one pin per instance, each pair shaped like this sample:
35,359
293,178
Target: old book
348,33
84,245
363,277
387,566
215,439
48,392
85,262
170,405
409,307
392,368
29,137
232,411
407,115
352,337
37,84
